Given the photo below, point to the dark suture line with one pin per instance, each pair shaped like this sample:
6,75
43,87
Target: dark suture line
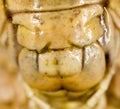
83,58
54,10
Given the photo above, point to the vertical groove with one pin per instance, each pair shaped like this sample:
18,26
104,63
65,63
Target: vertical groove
83,57
37,61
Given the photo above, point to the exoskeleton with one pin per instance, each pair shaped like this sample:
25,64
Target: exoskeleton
65,50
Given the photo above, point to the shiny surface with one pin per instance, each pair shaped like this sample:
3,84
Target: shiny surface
61,29
72,58
110,41
45,5
57,63
65,68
